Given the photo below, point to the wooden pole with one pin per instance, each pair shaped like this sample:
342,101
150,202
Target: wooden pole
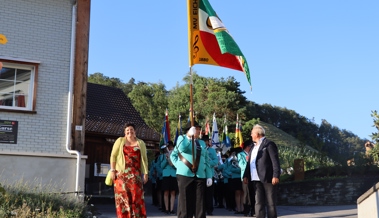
80,74
192,121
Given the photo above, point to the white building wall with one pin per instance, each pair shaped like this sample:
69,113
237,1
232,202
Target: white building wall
368,203
53,171
40,30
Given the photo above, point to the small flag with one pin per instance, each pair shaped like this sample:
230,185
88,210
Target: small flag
165,136
225,137
167,126
207,128
178,130
238,139
215,138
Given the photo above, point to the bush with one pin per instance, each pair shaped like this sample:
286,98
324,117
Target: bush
23,200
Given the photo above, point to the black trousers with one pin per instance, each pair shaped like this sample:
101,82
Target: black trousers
154,194
248,199
251,190
209,199
265,197
230,195
220,193
191,197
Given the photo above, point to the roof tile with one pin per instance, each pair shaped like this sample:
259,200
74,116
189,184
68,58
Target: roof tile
109,109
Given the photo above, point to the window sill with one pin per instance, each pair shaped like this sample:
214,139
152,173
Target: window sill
18,111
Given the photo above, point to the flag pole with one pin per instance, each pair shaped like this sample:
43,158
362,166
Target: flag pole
191,118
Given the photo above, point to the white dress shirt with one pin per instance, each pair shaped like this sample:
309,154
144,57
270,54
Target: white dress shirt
253,166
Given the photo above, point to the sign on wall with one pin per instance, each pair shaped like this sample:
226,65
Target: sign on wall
8,131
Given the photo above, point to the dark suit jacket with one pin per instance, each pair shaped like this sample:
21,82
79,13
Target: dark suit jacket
267,162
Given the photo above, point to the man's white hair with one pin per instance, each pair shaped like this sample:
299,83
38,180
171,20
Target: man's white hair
259,129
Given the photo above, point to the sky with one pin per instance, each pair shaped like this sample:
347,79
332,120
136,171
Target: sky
319,58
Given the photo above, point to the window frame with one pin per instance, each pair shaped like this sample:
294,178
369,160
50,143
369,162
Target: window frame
34,66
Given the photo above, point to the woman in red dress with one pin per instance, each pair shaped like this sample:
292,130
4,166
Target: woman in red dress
128,165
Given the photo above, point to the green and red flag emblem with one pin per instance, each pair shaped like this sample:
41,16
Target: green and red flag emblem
209,40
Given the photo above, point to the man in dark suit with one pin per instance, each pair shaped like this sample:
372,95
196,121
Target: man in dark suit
262,173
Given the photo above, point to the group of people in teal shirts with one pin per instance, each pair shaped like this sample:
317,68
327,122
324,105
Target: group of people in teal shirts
162,174
230,183
199,175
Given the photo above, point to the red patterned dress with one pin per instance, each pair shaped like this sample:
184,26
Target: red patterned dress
128,186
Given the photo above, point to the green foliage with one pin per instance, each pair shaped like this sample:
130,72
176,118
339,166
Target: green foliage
247,127
282,138
291,148
151,156
312,159
375,135
338,144
374,152
150,100
220,96
224,98
22,200
99,78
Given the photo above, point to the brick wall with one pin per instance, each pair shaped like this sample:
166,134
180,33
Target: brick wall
40,30
341,191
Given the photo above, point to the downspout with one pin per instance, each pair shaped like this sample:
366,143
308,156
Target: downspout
69,101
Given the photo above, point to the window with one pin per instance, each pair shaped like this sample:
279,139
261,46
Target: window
101,169
17,85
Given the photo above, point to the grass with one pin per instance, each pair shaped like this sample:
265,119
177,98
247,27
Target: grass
282,138
21,200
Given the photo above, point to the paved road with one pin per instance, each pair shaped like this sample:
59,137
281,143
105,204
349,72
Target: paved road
107,210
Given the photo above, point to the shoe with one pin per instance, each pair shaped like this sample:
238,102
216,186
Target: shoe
172,212
246,212
167,212
253,215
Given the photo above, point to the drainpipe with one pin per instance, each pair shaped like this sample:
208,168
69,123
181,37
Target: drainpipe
69,101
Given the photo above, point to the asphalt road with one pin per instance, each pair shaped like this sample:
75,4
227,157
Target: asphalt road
106,209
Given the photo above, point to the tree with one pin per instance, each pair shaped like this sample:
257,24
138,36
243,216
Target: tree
150,100
223,97
210,95
99,78
375,136
374,152
247,127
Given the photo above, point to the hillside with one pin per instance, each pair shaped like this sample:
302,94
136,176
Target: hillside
280,137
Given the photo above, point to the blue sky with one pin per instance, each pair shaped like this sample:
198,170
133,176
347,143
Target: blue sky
317,57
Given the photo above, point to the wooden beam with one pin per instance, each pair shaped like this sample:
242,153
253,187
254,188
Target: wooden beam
80,74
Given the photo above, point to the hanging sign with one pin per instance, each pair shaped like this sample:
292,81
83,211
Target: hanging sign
8,131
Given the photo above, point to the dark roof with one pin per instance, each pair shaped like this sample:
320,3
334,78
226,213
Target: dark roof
109,109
